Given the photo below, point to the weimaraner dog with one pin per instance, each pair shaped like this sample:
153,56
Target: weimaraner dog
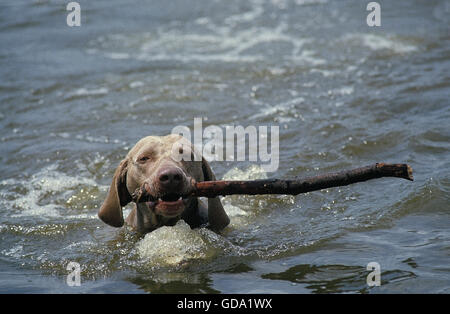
151,162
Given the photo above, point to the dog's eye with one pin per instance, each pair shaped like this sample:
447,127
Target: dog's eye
143,159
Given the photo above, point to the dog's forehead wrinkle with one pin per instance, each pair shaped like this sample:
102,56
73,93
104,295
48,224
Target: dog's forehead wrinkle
165,142
148,150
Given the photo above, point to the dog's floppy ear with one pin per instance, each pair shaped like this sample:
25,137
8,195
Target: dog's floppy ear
217,217
118,196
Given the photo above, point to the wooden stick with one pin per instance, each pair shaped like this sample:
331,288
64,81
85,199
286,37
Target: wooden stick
291,187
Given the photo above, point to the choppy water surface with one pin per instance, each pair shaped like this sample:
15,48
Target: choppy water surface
74,100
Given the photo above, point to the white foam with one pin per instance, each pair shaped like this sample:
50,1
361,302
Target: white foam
325,73
48,182
224,46
342,91
15,251
380,42
307,57
81,92
234,211
283,108
211,42
253,172
136,84
82,244
256,11
171,246
238,215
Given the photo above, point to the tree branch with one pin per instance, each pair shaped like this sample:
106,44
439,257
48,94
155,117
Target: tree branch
292,186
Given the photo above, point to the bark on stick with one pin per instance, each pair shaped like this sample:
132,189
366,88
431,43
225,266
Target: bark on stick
291,186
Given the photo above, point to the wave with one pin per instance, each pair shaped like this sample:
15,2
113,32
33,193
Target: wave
390,43
46,194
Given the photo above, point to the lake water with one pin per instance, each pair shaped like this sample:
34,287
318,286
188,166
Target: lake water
74,99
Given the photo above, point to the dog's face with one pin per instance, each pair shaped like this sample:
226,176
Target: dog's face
155,161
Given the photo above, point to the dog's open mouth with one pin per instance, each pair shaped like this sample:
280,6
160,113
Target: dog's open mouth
169,205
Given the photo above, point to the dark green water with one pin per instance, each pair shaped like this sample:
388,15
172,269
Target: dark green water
74,99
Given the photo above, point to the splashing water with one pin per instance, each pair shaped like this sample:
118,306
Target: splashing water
179,244
169,246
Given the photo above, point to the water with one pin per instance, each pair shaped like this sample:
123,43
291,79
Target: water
74,100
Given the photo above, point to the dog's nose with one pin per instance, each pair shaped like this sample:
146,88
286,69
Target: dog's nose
170,178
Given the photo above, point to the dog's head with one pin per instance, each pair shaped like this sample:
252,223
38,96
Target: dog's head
156,162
